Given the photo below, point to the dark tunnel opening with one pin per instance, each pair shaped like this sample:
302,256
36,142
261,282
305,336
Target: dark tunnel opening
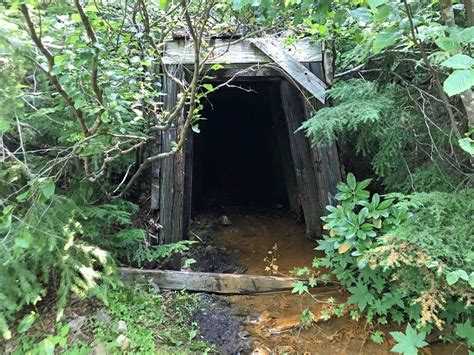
238,157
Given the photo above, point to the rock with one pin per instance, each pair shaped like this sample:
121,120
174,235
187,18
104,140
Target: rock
76,324
156,288
123,342
102,316
243,334
122,326
225,221
210,249
99,349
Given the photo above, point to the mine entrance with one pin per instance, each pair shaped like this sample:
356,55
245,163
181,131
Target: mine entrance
242,155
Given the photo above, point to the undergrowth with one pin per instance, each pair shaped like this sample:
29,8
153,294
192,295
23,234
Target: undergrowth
153,323
402,258
386,127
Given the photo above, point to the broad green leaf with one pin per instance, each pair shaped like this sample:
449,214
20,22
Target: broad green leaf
375,3
448,44
466,331
459,61
48,188
471,279
360,296
22,243
467,144
164,4
459,81
26,322
208,87
452,277
351,181
299,287
385,39
467,35
382,13
408,342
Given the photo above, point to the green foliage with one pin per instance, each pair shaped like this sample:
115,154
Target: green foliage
377,337
408,342
42,244
385,127
51,344
399,256
155,322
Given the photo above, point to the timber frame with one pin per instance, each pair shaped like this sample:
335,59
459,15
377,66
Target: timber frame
300,70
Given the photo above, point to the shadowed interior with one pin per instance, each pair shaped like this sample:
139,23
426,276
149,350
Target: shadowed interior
238,159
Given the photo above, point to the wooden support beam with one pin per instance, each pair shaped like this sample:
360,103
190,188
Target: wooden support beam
224,51
209,282
292,67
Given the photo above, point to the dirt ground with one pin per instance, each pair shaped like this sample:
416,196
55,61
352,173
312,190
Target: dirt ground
270,323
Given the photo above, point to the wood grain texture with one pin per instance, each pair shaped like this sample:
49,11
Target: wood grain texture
243,52
326,160
292,67
301,153
172,171
209,282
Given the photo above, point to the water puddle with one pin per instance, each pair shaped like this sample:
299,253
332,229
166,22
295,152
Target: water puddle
274,320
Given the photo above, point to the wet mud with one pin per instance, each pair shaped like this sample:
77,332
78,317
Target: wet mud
271,323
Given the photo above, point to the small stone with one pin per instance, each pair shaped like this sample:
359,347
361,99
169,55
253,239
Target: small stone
123,342
99,349
102,316
122,326
76,324
225,221
156,288
243,334
210,249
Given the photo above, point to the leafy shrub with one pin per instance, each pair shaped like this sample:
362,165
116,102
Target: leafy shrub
386,127
405,261
42,247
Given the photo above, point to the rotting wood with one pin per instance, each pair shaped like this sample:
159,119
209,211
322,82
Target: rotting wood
236,52
295,70
172,171
326,161
209,282
302,159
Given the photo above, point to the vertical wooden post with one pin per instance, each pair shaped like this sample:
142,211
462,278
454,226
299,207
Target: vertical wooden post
302,159
326,160
168,175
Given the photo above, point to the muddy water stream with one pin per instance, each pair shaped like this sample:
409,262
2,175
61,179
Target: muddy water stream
273,320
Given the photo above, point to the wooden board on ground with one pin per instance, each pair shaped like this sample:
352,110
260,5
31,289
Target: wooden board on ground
209,282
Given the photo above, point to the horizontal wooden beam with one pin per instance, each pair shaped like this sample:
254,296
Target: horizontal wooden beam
231,51
209,282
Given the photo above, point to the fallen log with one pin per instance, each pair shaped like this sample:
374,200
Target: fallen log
209,282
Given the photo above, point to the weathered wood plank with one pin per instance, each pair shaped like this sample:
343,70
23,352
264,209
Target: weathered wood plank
209,282
302,159
326,159
297,71
172,172
229,51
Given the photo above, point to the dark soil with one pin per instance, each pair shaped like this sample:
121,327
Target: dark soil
210,258
221,325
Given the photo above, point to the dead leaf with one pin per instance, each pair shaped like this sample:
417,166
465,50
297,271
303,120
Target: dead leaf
344,247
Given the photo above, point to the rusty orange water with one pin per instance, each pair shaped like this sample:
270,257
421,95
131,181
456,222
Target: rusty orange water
273,320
